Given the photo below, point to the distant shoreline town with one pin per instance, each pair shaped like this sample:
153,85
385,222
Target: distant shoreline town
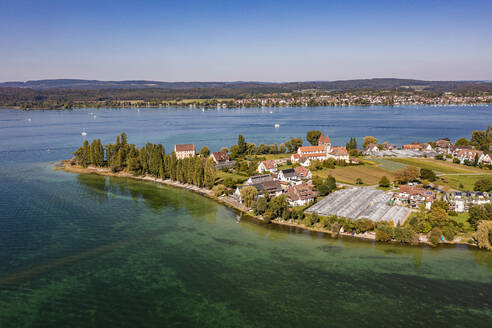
380,192
67,94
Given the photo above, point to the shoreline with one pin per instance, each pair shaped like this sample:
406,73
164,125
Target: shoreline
230,203
186,106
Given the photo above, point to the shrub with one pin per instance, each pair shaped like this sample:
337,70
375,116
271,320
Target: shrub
358,181
335,228
448,233
484,184
439,157
382,236
405,235
218,190
483,235
268,216
435,235
456,161
384,182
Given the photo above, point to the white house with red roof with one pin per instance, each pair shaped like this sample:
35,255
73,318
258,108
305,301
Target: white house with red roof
267,166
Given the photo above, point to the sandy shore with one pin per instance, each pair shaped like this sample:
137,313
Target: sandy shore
229,202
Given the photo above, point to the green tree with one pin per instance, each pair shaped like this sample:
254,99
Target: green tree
293,144
427,174
218,190
352,144
438,217
462,142
405,234
384,182
479,213
313,137
358,181
241,144
435,235
209,173
483,235
369,140
205,152
248,195
261,205
484,185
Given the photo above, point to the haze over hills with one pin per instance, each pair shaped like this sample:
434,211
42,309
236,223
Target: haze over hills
340,85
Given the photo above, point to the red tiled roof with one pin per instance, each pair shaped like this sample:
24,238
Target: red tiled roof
184,147
319,149
411,146
300,192
339,151
220,156
324,139
301,171
269,164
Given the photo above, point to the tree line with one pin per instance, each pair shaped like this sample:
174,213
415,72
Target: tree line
150,159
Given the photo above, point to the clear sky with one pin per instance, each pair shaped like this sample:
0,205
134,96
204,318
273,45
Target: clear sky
245,40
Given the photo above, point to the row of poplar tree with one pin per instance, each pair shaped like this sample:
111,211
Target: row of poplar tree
150,159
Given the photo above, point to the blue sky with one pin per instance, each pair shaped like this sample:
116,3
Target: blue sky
245,40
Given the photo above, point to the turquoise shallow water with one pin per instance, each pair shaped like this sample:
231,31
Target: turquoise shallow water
91,251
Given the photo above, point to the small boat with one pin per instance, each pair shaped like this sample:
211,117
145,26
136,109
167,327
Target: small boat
277,126
29,119
84,133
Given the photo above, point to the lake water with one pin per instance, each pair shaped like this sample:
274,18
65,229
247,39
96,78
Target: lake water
91,251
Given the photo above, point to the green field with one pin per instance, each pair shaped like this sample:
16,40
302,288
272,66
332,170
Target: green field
468,181
236,177
369,174
438,166
387,164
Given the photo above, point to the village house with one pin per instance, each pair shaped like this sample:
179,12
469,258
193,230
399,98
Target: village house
303,173
339,154
267,166
272,188
470,155
185,150
372,148
444,146
221,160
258,179
412,147
300,195
413,196
289,175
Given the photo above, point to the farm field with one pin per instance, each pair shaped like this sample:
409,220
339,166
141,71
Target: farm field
386,164
369,174
438,166
466,181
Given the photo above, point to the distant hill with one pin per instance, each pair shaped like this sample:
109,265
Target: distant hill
342,85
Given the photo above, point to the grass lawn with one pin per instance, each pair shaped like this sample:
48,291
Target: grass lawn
462,218
369,174
438,166
387,164
236,177
467,181
274,156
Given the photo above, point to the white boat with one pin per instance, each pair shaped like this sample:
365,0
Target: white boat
84,133
277,126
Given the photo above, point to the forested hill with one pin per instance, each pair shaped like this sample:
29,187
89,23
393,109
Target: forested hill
257,87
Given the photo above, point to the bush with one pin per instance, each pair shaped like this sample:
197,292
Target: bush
484,234
384,182
218,190
427,174
335,228
439,157
358,181
484,184
435,235
405,235
456,161
382,236
268,216
448,233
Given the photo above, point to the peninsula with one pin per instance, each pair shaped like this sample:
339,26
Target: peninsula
297,185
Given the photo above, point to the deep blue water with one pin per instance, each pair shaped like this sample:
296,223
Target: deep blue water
92,251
